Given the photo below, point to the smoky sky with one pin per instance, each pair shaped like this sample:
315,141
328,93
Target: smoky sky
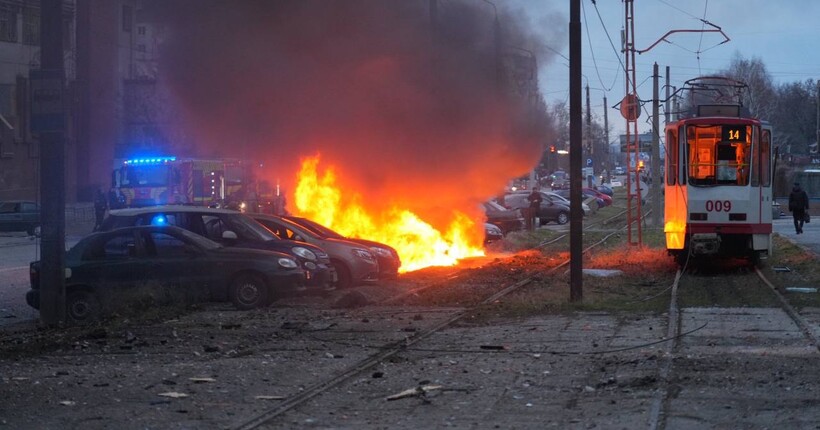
406,111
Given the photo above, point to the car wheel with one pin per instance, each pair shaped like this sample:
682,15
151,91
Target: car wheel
82,306
343,273
563,218
248,292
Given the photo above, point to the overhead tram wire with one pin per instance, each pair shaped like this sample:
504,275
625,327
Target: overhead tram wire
614,49
592,53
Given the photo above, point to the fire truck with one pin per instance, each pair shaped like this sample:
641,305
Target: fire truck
170,180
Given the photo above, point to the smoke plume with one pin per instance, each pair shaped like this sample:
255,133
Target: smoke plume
414,102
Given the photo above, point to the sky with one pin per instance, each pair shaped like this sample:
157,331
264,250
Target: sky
783,34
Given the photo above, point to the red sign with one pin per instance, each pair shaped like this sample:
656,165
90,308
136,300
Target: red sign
630,107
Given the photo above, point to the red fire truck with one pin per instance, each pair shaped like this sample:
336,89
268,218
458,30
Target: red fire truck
171,180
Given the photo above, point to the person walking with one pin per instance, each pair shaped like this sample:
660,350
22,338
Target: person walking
535,200
100,205
798,205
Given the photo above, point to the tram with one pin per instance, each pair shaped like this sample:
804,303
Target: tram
718,176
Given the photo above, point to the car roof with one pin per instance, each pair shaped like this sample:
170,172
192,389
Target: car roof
170,208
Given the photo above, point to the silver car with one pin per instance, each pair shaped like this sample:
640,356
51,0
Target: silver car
354,263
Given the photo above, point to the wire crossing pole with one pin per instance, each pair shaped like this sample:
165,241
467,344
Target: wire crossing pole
631,110
655,167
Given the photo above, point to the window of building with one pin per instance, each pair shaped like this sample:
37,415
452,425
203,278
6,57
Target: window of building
8,24
141,29
31,26
127,18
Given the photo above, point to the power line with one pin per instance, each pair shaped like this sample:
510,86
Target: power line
592,53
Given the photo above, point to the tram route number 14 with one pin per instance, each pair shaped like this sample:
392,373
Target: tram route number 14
718,205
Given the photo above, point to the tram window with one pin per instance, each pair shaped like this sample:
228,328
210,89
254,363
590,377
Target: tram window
672,157
765,159
726,169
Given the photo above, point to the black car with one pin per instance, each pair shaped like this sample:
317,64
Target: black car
20,215
147,264
388,258
230,228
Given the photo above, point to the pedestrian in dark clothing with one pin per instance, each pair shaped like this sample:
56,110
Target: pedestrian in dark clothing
535,200
798,205
100,205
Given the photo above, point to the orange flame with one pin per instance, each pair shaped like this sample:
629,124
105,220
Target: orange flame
418,243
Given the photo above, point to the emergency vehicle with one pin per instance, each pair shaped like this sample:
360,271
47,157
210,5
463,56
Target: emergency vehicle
170,180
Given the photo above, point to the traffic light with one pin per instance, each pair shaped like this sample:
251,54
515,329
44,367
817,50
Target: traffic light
552,149
640,165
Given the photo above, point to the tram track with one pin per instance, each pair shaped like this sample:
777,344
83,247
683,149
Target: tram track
660,409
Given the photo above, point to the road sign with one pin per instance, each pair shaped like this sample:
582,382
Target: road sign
47,110
630,107
589,162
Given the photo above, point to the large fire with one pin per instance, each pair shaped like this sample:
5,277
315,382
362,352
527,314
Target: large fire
318,197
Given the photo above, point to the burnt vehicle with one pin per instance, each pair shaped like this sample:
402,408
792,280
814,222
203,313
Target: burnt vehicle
388,257
492,233
354,263
506,220
230,228
151,264
20,215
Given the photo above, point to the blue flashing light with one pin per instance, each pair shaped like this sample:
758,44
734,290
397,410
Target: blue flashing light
149,160
159,220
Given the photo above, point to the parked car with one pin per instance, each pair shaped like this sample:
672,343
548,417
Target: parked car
603,197
505,219
604,189
588,193
551,209
565,200
353,262
619,170
147,264
389,261
492,233
20,215
229,228
559,180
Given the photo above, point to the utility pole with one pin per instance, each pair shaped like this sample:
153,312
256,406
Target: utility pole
666,106
657,206
576,286
608,161
50,85
589,150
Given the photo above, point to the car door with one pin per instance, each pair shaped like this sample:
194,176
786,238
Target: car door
113,267
181,271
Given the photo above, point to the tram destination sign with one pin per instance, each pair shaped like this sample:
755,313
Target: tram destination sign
733,133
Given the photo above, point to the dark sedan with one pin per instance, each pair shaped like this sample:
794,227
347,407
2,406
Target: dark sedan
389,261
19,215
550,209
126,266
230,228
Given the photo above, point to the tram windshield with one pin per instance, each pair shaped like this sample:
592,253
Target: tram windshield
719,154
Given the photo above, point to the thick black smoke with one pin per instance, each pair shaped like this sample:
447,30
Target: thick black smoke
406,110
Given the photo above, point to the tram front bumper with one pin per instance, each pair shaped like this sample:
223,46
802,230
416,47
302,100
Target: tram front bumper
704,243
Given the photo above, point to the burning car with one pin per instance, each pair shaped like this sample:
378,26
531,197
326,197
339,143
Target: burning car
354,263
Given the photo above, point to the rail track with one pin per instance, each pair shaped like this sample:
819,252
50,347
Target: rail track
742,282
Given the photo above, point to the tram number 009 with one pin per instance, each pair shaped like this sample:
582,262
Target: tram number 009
718,205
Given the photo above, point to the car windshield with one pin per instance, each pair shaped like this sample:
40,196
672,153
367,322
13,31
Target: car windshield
248,227
198,240
494,206
317,228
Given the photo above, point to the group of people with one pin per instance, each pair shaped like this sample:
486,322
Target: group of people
103,202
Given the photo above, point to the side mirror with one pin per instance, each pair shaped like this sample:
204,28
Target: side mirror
298,238
229,235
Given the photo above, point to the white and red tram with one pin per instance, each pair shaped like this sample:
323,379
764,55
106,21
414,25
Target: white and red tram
718,180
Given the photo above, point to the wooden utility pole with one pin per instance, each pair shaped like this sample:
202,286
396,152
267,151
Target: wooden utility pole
657,204
48,118
575,154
